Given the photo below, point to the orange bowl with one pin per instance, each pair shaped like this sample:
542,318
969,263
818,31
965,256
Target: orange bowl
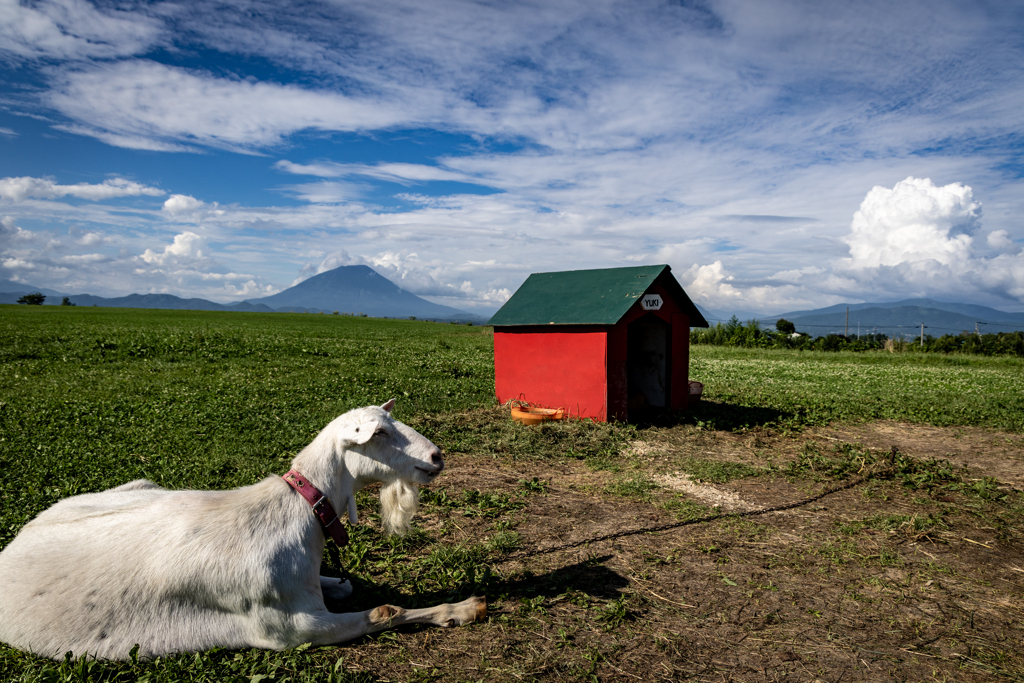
532,416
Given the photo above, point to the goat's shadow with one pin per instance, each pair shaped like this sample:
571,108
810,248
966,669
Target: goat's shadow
589,577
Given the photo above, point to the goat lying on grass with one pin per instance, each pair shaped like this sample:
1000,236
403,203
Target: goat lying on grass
178,571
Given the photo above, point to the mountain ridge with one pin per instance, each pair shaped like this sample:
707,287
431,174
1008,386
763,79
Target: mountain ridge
349,289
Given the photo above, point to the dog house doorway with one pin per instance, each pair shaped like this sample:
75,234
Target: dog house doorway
648,365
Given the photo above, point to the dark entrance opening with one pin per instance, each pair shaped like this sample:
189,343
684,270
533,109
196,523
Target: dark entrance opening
648,366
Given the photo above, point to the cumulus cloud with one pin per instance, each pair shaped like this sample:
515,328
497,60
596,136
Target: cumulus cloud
912,222
187,247
251,290
999,240
11,233
181,206
179,203
917,239
20,189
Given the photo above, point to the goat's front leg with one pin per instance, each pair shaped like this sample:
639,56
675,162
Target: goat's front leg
324,628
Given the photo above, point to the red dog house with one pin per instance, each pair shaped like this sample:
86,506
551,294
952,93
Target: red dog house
604,344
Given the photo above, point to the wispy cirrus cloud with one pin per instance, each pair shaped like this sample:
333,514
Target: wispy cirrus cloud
405,174
20,189
74,29
175,108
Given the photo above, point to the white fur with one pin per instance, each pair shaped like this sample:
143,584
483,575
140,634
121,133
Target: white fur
177,571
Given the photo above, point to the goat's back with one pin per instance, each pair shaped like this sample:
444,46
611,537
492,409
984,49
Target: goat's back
169,570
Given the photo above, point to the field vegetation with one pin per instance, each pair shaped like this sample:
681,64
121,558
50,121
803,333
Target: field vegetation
914,574
754,335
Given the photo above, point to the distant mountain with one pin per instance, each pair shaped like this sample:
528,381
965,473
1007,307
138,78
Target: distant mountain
348,289
903,318
714,317
11,291
161,301
982,313
360,289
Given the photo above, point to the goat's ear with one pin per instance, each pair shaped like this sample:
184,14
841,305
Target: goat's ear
388,406
352,434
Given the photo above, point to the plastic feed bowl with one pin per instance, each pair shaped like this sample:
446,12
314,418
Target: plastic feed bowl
532,416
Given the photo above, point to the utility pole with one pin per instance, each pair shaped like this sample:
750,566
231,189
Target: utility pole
846,330
976,332
922,336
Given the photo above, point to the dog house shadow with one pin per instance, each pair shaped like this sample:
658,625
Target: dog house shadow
718,415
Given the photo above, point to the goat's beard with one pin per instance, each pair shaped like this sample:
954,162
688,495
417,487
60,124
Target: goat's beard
399,501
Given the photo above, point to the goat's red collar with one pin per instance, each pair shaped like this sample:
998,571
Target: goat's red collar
321,506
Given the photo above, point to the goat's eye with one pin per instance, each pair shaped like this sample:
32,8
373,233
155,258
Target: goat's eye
380,431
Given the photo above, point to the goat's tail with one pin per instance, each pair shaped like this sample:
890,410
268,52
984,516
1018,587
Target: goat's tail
399,501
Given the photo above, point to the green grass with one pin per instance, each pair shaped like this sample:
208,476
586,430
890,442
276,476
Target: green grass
796,388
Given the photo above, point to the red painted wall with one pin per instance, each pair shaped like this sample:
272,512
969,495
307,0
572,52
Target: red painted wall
556,366
617,386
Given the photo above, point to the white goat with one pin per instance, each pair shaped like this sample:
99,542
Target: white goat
178,571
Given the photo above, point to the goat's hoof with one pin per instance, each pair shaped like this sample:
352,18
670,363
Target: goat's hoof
479,605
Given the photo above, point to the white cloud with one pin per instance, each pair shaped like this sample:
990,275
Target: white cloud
11,233
1000,240
251,290
916,240
90,239
186,248
405,174
328,192
20,189
914,221
178,204
137,100
72,29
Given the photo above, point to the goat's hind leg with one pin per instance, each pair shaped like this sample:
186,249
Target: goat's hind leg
324,628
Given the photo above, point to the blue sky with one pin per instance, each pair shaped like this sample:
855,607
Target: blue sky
778,155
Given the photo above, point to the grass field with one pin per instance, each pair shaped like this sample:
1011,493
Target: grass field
91,398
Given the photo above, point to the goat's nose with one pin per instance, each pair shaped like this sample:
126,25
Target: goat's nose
436,459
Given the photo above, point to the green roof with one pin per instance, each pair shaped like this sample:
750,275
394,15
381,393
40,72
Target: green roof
589,297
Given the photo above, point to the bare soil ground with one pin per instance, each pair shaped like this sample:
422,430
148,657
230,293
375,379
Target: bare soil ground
912,579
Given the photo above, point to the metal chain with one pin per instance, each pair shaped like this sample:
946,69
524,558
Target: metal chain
856,481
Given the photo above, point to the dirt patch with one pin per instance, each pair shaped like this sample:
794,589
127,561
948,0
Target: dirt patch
984,452
908,577
705,493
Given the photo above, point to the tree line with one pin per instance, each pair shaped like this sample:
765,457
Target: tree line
785,336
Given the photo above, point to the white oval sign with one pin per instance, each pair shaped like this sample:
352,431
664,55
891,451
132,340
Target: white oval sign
651,302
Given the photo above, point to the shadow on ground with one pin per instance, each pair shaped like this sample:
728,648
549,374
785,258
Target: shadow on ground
714,415
590,577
